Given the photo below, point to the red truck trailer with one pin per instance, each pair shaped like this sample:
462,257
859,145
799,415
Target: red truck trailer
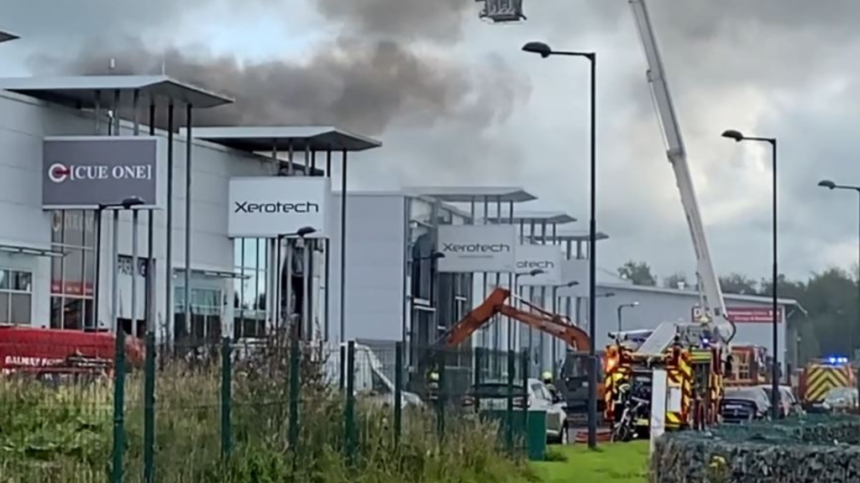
36,350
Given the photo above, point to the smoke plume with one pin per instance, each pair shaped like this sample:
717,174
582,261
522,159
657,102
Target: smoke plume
386,66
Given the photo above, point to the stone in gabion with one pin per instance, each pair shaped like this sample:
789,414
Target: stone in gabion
799,451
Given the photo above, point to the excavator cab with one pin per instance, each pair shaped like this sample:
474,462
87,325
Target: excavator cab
574,385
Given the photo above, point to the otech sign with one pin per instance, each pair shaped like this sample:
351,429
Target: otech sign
475,248
531,265
276,207
269,207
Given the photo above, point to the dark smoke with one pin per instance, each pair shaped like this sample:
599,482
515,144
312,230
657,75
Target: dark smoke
380,71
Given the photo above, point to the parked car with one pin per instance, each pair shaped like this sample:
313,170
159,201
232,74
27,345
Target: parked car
494,396
788,403
744,404
841,399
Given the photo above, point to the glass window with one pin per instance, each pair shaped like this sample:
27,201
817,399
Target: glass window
21,281
72,276
15,298
20,308
4,308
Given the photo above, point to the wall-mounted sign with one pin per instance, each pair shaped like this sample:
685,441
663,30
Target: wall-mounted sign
267,207
546,258
477,248
748,315
83,172
574,270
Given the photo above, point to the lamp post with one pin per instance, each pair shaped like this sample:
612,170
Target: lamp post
555,288
833,186
737,136
621,308
545,51
119,335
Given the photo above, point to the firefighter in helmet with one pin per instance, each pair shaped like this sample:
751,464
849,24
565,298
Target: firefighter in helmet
547,380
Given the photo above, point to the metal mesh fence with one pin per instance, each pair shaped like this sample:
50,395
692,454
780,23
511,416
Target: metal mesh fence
223,411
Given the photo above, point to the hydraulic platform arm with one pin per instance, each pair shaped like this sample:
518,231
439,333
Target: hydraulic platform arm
540,319
709,285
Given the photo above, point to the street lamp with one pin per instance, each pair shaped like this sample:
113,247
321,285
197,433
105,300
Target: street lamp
545,51
605,295
621,307
833,186
737,136
533,273
431,257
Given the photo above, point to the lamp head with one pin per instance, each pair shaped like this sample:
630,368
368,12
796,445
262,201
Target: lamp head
131,202
733,134
572,283
436,255
635,303
539,48
536,272
305,231
826,183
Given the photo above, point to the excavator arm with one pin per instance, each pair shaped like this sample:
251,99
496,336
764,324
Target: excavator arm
538,318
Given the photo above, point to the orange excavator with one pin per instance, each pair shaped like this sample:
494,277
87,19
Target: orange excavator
538,318
574,375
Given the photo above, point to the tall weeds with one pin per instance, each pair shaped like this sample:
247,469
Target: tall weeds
63,434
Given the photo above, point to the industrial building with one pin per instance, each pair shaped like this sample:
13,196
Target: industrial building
49,252
394,289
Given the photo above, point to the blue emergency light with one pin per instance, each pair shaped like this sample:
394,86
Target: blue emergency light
837,360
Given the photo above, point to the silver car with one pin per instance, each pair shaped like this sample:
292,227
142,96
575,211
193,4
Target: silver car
493,396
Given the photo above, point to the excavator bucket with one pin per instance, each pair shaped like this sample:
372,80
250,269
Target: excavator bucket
477,317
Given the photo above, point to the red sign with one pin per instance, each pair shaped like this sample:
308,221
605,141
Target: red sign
747,315
71,288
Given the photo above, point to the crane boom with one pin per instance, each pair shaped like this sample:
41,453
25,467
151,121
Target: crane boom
713,305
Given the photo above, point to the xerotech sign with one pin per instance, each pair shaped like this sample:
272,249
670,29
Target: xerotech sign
544,258
477,248
267,207
84,172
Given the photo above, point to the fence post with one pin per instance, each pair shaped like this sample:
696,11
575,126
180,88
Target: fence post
349,417
341,369
526,363
118,407
398,392
293,431
479,353
509,416
226,398
149,411
440,398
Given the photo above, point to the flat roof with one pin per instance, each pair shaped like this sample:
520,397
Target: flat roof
7,36
692,293
539,217
259,139
468,194
580,235
80,91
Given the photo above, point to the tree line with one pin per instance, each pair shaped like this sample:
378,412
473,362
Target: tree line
826,322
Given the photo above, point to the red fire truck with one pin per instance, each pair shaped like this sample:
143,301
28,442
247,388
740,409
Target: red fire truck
28,350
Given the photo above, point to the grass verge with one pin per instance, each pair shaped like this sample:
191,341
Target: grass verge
615,463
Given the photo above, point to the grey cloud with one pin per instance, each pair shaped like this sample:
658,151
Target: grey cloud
401,19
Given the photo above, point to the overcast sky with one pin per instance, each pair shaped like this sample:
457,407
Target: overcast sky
456,102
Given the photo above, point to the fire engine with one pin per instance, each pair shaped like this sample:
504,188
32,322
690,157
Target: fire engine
40,352
820,376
